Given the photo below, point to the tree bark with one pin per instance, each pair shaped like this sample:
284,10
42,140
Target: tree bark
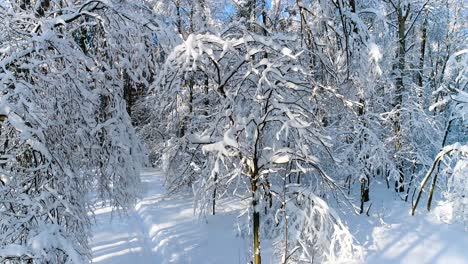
253,172
215,180
422,55
399,184
256,221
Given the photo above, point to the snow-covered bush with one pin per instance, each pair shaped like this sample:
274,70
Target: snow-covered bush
457,192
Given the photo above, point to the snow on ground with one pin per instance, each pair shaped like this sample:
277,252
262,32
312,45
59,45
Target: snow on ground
164,230
391,235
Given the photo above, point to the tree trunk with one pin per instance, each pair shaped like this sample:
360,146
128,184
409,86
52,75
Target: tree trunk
422,55
127,89
253,173
399,184
214,193
256,221
364,193
434,181
179,20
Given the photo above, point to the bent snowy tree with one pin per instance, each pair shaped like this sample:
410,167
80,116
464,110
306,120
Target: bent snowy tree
65,130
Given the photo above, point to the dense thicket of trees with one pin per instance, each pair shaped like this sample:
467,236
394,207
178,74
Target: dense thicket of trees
297,105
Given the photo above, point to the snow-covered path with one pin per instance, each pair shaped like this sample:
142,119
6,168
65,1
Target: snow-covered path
165,230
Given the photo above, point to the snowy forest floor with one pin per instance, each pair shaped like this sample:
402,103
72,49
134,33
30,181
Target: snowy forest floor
164,229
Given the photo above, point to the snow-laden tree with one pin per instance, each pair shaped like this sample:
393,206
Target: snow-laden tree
65,73
261,123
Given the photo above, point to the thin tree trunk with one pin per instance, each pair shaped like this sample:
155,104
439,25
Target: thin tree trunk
364,193
434,180
127,89
253,172
256,222
411,181
179,20
422,55
214,193
399,184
